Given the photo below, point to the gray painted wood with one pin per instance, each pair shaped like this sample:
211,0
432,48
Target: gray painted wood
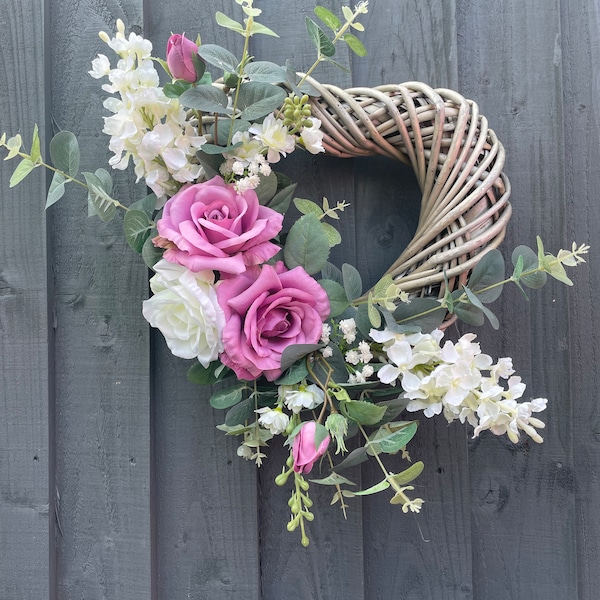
24,335
101,435
523,497
152,501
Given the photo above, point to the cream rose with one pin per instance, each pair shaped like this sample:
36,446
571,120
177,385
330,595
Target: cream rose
185,309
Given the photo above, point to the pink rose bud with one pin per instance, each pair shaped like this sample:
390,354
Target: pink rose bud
305,451
180,57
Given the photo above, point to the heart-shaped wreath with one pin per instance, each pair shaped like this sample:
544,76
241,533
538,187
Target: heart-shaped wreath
309,354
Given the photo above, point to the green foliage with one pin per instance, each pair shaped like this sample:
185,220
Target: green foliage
328,18
64,153
206,98
227,397
56,190
322,43
137,227
23,169
219,57
104,206
487,277
257,99
338,300
306,245
364,413
391,437
214,373
355,44
265,72
352,281
295,352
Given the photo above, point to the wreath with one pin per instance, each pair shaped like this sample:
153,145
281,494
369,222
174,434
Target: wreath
296,345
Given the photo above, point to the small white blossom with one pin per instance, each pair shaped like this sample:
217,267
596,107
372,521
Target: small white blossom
348,329
273,419
312,137
302,397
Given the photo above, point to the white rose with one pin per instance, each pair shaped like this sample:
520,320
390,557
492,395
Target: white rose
185,309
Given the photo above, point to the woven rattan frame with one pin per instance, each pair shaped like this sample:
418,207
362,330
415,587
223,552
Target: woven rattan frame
456,158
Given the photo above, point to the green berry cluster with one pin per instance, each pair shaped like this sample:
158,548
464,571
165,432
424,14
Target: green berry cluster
296,112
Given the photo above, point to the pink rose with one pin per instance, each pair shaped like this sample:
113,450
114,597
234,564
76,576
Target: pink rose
305,451
267,310
210,226
180,57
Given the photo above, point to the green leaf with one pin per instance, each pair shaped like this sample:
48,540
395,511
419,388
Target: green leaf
146,204
336,362
362,412
489,271
226,128
333,235
328,18
257,99
64,152
174,90
308,207
105,178
295,374
391,437
338,301
281,200
227,398
295,352
533,280
265,71
412,313
103,204
382,485
23,169
355,44
150,253
261,29
330,271
206,98
348,14
469,314
555,269
266,188
373,313
333,479
475,301
35,153
240,413
57,189
408,475
320,40
306,245
214,149
363,323
137,227
356,457
218,56
352,281
381,287
202,375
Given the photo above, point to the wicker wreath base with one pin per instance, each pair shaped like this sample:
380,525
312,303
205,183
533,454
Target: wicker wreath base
456,158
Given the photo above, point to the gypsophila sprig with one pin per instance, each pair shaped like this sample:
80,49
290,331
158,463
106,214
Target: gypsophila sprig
309,354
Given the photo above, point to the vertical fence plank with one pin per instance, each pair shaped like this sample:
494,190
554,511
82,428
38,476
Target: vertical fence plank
332,565
523,497
101,436
580,36
24,332
205,496
426,555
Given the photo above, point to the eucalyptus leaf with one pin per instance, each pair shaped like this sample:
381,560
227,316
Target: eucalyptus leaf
328,18
333,235
488,272
373,313
218,56
227,398
226,128
468,313
382,485
224,21
295,352
137,227
240,413
206,98
362,412
411,313
174,90
266,188
259,28
306,245
105,179
356,457
391,437
308,207
408,475
352,281
320,40
330,271
486,311
64,152
150,253
363,323
257,99
56,190
294,374
202,375
265,71
35,153
534,280
23,169
281,200
146,204
333,479
338,301
103,204
355,44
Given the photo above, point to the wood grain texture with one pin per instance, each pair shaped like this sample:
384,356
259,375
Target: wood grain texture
101,437
205,503
24,376
580,49
523,497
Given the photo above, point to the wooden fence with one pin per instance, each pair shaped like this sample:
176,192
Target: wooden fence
114,482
